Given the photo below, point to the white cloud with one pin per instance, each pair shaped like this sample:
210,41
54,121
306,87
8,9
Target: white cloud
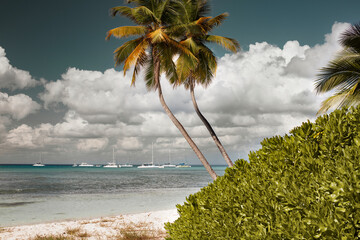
130,143
26,137
18,106
13,78
318,56
92,144
105,97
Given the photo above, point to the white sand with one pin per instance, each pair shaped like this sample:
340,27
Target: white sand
100,228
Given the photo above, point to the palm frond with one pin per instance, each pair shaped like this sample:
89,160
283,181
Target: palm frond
167,64
202,8
351,38
206,68
190,44
126,31
160,8
216,21
135,54
343,73
330,102
157,36
228,43
202,20
149,74
140,62
343,98
140,15
181,49
122,52
185,29
184,67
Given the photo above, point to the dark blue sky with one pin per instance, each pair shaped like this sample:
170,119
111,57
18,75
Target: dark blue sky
45,37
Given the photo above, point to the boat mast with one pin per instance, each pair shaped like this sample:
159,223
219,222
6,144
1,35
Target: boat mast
113,156
152,153
169,156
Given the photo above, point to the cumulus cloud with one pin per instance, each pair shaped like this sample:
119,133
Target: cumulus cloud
17,106
258,93
105,97
318,56
13,78
92,144
23,136
130,143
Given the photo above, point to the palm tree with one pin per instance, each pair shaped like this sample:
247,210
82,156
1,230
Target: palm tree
343,73
153,50
195,28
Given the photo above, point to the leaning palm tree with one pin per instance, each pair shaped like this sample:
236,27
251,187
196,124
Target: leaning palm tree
196,28
343,73
153,50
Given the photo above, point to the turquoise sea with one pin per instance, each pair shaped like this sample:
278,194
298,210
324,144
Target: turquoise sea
57,192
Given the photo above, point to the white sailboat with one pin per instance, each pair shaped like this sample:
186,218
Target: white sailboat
126,165
150,165
112,164
169,165
84,164
40,163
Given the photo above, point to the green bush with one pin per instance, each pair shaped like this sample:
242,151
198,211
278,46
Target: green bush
305,185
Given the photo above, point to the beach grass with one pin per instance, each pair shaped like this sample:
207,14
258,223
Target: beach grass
73,231
77,232
52,237
69,234
139,231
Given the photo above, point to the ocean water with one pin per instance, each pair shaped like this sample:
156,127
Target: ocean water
31,195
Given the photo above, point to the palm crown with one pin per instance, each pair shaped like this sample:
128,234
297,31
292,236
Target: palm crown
343,73
196,27
153,44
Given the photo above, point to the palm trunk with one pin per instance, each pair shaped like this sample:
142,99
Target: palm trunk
186,135
210,129
179,125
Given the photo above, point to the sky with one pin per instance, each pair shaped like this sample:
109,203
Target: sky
61,96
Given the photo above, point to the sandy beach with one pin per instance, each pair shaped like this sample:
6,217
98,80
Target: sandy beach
149,225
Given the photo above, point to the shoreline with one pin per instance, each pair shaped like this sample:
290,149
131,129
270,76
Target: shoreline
149,223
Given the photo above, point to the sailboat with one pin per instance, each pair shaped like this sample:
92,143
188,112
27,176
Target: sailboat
112,164
150,165
40,163
84,164
126,165
169,165
183,165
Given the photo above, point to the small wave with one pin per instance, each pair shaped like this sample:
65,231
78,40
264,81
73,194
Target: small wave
18,190
14,204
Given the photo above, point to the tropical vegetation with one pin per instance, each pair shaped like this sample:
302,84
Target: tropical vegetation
194,36
304,185
153,50
342,75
